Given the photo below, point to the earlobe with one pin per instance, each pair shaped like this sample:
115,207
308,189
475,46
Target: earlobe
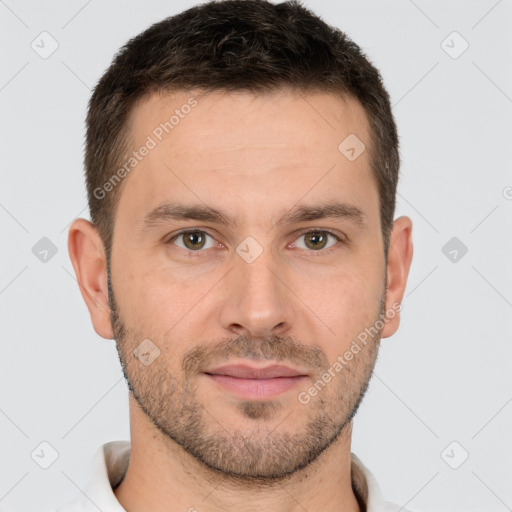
399,262
87,256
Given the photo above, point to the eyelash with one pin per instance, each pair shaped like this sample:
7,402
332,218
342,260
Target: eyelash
192,254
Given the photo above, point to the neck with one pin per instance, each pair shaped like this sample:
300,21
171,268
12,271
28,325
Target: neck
161,476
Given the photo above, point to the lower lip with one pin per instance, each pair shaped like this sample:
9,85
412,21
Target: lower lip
257,388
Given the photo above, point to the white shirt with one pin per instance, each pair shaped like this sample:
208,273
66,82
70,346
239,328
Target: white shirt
111,462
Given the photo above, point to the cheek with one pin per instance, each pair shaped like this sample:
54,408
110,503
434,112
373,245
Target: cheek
342,306
156,301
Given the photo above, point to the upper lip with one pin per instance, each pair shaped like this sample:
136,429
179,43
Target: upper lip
252,372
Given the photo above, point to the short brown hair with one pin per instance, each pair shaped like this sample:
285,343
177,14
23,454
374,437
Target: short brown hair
234,45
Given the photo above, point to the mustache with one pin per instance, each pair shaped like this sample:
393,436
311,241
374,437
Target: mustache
271,348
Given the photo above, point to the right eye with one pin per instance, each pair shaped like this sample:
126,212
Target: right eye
192,240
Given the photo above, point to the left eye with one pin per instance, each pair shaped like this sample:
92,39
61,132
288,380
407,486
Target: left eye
318,240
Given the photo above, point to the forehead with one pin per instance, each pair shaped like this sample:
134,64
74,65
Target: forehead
231,149
315,122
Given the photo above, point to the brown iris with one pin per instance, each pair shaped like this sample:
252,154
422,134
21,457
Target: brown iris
317,238
194,240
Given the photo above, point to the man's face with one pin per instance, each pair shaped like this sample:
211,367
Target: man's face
265,289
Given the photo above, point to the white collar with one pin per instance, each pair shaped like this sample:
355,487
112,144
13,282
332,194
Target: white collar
111,462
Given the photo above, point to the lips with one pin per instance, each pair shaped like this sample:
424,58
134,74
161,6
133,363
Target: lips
252,372
253,383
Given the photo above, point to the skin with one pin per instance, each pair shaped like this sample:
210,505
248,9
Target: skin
196,445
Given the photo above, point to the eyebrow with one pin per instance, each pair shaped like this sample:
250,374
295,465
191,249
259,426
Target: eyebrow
179,211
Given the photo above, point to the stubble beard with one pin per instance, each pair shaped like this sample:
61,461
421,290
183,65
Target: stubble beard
265,452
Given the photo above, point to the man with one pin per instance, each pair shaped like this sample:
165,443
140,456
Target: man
241,164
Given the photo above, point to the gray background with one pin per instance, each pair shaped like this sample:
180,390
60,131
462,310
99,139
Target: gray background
444,377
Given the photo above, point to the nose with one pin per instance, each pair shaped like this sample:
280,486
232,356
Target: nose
257,300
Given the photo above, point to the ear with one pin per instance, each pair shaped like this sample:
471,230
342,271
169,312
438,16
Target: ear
399,262
87,255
